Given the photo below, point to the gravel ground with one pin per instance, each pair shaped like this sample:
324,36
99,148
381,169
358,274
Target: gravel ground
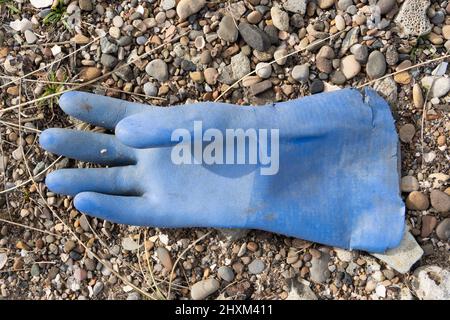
195,51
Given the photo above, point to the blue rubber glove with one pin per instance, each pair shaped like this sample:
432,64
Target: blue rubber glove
334,181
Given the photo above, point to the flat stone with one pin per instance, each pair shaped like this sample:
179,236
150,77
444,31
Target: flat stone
254,37
90,73
386,6
280,56
404,256
350,39
440,201
343,255
204,288
30,37
325,4
108,61
417,96
227,29
263,70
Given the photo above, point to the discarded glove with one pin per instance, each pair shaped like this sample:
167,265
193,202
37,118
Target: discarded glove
321,168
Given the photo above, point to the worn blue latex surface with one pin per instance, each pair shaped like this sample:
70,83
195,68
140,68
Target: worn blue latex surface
337,184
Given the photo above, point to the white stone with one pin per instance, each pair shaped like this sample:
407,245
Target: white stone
263,70
404,256
431,283
168,4
344,255
21,25
30,37
440,87
41,3
295,6
56,50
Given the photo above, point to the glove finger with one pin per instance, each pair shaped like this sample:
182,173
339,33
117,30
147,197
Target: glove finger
157,126
118,181
97,109
87,146
130,210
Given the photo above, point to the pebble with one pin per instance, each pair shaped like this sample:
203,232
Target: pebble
30,37
90,73
340,22
41,3
227,29
344,255
279,56
256,266
280,18
431,283
443,230
85,5
150,89
168,4
254,17
226,273
440,201
350,67
295,6
376,65
117,21
260,87
440,87
361,52
344,4
158,70
428,225
204,288
263,70
211,75
80,39
300,72
319,268
416,200
299,291
446,32
325,4
417,96
21,25
409,184
316,86
254,37
186,8
407,132
108,61
391,55
386,6
337,77
97,289
164,257
403,257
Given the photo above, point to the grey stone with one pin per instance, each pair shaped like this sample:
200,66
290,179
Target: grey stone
344,4
295,6
319,268
85,5
254,37
386,5
108,61
441,87
150,89
407,132
256,266
404,256
227,29
443,230
376,65
30,37
409,184
97,289
158,70
107,47
412,18
186,8
226,273
300,72
299,291
440,201
280,18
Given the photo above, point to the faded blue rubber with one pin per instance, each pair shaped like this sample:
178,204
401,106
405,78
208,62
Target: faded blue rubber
338,181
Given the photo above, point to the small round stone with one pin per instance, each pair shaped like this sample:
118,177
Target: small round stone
409,184
117,21
317,86
256,266
376,65
204,288
443,230
226,273
150,89
300,72
440,201
263,70
350,67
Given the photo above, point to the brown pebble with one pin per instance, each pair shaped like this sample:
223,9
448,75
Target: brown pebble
428,225
260,87
416,200
164,257
252,246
